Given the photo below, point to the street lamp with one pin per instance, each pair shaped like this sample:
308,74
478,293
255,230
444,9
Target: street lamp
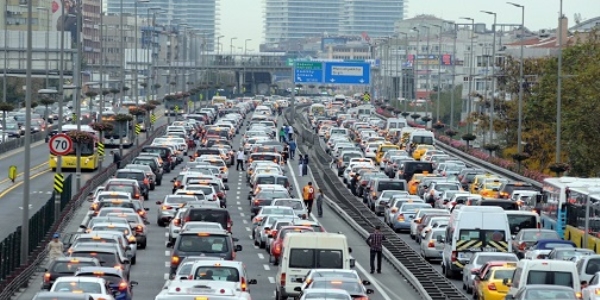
493,75
218,43
439,83
559,86
47,41
521,77
400,68
231,45
471,63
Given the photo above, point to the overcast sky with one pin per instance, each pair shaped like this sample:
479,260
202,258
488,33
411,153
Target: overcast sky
244,18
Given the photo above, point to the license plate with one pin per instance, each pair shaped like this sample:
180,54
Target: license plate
201,291
465,255
490,249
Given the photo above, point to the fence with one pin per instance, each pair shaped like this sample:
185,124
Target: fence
15,274
20,142
39,225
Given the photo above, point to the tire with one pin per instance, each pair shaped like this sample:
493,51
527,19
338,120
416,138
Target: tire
143,245
134,260
161,223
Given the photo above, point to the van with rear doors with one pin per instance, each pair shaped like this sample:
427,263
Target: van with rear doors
543,271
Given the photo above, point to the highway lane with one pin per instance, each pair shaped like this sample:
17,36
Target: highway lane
152,263
41,184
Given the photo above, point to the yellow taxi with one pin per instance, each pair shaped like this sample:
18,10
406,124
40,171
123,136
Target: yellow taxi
478,180
490,286
420,150
382,149
490,188
413,184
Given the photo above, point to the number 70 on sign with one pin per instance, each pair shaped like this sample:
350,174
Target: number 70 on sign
60,144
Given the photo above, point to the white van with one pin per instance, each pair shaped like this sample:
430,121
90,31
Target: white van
474,229
395,123
422,137
540,271
303,252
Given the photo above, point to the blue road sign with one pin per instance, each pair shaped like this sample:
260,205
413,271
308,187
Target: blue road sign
347,73
308,72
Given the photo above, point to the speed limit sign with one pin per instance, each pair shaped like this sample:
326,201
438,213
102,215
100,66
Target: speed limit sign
61,144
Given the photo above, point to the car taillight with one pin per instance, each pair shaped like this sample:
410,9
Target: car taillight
491,287
431,244
139,228
220,194
541,256
122,286
244,286
47,277
177,222
282,279
361,298
164,207
453,256
175,260
401,217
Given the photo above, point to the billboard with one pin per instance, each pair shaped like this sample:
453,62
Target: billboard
332,41
444,59
68,21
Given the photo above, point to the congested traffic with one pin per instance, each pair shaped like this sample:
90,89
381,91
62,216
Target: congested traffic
191,165
484,230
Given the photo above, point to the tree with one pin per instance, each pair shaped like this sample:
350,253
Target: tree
446,104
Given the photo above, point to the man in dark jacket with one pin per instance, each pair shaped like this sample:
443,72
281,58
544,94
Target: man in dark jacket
305,165
116,158
353,182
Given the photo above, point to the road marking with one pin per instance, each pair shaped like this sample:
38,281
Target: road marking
240,208
272,280
261,256
245,221
250,236
239,192
167,264
242,214
376,284
237,198
267,268
18,184
167,253
248,229
166,276
30,207
238,203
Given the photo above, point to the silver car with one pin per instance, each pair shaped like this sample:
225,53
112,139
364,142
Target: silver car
384,199
261,232
478,260
169,207
432,245
296,204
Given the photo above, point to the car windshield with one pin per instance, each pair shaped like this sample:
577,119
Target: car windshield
203,244
217,274
413,208
78,287
277,211
113,197
272,195
106,259
131,175
445,187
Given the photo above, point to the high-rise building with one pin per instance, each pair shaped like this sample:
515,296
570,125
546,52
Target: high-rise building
297,19
375,18
202,16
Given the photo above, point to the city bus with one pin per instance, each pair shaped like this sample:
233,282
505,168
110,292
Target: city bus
89,153
576,220
175,107
219,99
120,130
316,110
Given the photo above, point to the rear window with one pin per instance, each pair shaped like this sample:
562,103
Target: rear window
391,185
290,203
208,216
203,244
217,274
123,204
503,274
550,277
518,222
106,259
418,167
260,156
510,187
207,190
112,279
160,151
316,259
131,175
70,267
119,188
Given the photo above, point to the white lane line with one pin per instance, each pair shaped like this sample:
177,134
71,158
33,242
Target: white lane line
245,221
167,264
248,229
238,202
167,253
237,198
238,192
271,280
376,284
291,169
242,214
166,276
261,256
240,208
267,268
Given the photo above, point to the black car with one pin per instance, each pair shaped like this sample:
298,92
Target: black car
138,175
165,154
205,214
152,162
65,266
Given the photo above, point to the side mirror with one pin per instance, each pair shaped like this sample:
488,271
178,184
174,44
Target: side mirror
505,281
238,248
370,291
126,261
169,244
513,236
252,281
173,180
366,282
183,278
226,187
158,202
146,209
298,289
82,226
349,250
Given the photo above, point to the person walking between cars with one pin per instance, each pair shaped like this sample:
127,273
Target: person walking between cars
308,194
292,145
320,197
281,135
55,248
305,165
290,132
375,242
240,157
285,153
116,158
300,162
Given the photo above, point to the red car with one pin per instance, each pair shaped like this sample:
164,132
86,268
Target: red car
277,243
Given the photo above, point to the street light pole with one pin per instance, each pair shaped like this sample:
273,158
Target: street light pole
453,76
428,76
521,77
77,75
47,43
231,46
121,54
57,196
439,81
415,70
493,75
27,163
400,68
471,63
135,55
559,87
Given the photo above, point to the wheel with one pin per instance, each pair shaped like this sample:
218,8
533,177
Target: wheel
161,223
143,245
278,295
134,260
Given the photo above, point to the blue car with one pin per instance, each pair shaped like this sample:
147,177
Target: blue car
406,212
120,286
542,248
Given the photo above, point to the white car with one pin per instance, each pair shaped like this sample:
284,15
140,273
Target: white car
94,286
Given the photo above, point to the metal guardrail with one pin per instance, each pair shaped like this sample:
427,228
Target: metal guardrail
480,163
20,277
20,142
420,274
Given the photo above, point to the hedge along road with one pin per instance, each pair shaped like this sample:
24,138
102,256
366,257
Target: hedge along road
11,195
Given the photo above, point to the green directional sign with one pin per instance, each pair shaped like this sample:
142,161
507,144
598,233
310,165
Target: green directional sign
308,65
289,62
